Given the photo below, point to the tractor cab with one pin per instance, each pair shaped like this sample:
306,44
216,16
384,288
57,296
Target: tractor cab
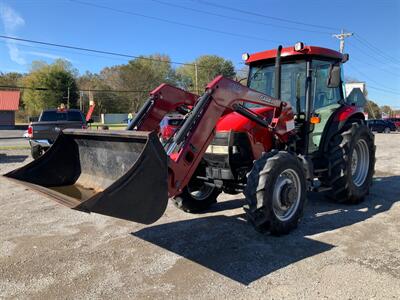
325,88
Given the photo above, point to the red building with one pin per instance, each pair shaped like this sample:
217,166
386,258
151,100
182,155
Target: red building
9,103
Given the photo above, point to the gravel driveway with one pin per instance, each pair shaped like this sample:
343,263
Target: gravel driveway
338,251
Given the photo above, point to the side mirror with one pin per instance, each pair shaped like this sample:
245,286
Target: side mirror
90,121
334,76
345,58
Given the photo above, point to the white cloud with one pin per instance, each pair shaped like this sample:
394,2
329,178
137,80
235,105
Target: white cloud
15,54
47,55
12,21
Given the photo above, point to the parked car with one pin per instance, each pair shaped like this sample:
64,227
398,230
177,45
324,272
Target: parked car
169,125
396,122
44,132
381,126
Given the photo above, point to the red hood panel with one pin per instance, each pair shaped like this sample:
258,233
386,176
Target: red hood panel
237,122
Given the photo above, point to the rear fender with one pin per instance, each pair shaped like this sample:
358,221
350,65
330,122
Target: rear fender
336,122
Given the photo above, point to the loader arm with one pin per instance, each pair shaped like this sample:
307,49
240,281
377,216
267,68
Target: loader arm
163,99
222,96
128,174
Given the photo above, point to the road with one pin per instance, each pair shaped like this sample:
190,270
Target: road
338,251
12,138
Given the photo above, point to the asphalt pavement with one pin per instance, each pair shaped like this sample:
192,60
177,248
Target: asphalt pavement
12,139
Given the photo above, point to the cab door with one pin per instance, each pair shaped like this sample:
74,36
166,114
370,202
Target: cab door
325,100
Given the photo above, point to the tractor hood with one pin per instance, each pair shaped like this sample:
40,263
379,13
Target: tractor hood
236,122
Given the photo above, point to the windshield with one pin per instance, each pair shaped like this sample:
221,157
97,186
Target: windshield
262,79
53,116
175,122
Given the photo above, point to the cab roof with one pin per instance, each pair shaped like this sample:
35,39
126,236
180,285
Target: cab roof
290,51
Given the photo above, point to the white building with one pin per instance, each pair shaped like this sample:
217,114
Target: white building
349,86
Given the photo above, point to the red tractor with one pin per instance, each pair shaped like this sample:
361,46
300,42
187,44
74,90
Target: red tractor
289,131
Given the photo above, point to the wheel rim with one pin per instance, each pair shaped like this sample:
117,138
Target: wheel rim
287,194
360,162
387,130
200,193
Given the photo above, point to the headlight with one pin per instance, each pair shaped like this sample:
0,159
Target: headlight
214,149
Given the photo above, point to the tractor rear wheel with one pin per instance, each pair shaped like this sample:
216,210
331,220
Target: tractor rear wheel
196,197
275,193
352,161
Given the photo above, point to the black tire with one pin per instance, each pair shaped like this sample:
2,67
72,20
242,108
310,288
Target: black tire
262,181
189,202
345,188
36,152
386,130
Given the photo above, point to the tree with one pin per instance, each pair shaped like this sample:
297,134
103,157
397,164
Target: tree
10,79
372,109
50,86
208,67
387,110
97,89
140,75
242,75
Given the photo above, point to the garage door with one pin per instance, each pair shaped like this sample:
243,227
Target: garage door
7,118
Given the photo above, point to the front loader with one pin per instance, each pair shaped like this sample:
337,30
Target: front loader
234,138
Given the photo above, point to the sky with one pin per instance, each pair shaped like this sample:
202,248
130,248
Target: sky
186,29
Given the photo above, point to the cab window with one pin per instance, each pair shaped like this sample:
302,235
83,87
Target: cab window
262,79
322,94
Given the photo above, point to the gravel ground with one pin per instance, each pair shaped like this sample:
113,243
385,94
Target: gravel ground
338,251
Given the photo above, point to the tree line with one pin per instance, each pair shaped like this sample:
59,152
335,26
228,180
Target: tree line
120,88
124,87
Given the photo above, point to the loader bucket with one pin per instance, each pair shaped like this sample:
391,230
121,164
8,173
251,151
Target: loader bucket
120,174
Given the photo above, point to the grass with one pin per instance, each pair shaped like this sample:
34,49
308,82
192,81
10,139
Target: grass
20,147
110,126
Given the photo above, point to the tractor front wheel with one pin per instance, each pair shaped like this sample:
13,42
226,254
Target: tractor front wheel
275,193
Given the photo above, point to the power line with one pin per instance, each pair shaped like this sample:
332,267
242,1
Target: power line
264,16
369,78
66,51
236,18
102,52
383,90
352,60
375,49
90,50
175,22
371,56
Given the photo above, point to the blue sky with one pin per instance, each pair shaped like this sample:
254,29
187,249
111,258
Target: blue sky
157,26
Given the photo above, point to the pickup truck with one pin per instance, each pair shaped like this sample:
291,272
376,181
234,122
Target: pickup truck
44,132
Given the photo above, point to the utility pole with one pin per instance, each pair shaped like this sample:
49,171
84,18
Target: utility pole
80,100
196,78
68,99
341,36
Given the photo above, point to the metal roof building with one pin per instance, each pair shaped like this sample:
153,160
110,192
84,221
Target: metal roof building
9,103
